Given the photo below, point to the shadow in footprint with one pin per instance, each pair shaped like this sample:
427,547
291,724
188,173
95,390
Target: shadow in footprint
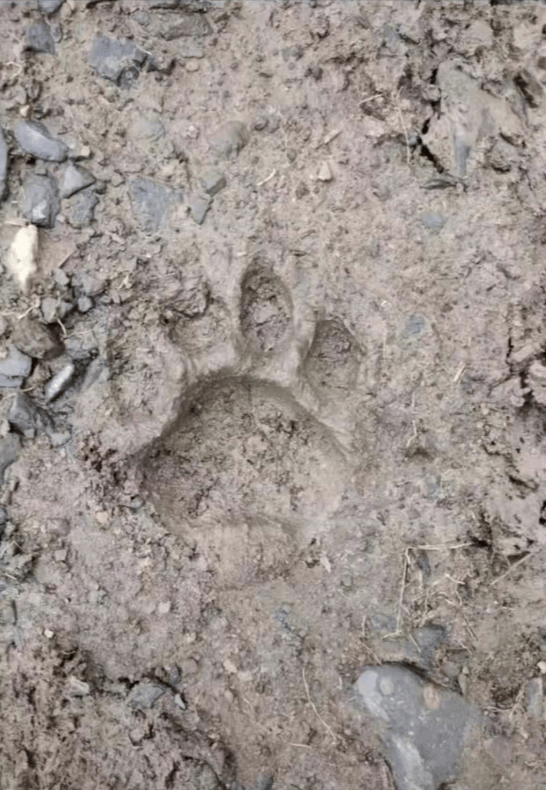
266,310
244,450
334,358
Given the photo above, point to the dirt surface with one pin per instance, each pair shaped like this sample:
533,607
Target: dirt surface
302,302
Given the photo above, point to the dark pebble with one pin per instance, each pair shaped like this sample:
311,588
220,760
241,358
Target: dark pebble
40,39
74,180
117,61
42,202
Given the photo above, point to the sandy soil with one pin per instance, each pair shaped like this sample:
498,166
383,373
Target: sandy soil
305,305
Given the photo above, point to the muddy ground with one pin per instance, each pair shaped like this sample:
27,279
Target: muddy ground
302,302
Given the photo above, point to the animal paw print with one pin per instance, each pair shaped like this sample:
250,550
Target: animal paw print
249,449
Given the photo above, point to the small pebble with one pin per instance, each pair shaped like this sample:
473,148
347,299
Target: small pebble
39,38
84,304
78,687
42,202
325,174
213,181
74,179
49,307
61,278
179,702
198,209
192,66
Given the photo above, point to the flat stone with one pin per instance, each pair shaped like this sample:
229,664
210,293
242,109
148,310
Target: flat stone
423,727
145,695
230,139
432,220
80,211
75,179
115,60
42,201
151,204
199,207
89,284
10,448
15,368
213,181
4,164
50,6
35,139
39,38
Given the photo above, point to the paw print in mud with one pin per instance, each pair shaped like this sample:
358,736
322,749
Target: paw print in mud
251,445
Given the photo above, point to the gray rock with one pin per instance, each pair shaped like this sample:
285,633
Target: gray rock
40,38
199,207
89,284
15,368
213,181
84,304
10,448
49,6
49,308
80,211
151,204
35,139
4,164
75,179
117,61
423,727
145,695
433,221
535,698
59,439
26,417
42,201
81,348
61,278
230,139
